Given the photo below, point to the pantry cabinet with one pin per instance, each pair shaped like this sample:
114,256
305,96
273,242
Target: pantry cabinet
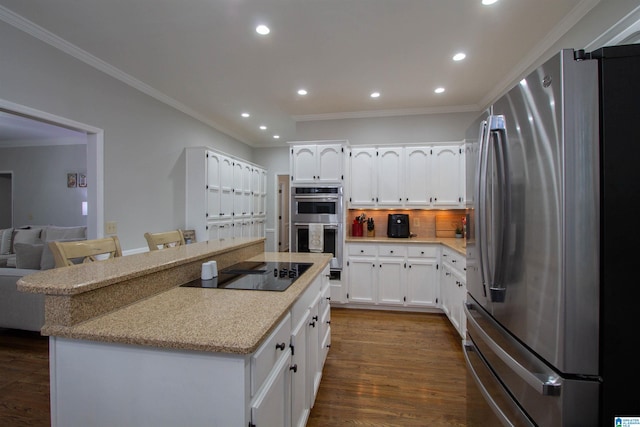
317,163
430,176
225,196
392,274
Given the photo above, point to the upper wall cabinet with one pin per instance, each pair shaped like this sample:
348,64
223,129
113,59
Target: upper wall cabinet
407,177
317,163
368,186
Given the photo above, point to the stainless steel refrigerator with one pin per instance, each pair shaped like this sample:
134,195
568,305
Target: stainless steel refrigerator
553,187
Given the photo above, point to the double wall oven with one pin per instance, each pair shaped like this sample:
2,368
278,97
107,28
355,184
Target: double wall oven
318,207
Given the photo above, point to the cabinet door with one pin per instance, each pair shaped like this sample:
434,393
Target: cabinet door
446,176
446,289
390,177
330,163
391,274
303,163
237,189
362,276
226,182
422,282
214,187
314,367
272,405
362,177
417,176
247,200
299,388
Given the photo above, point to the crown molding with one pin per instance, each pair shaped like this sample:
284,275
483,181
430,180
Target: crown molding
59,43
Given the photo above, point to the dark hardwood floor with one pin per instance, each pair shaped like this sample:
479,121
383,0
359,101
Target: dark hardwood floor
391,369
24,379
383,369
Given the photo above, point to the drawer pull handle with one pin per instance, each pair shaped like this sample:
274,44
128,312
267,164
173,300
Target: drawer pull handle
280,346
315,318
312,324
294,368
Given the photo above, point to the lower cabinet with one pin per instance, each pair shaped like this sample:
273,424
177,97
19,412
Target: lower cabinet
392,274
310,341
453,285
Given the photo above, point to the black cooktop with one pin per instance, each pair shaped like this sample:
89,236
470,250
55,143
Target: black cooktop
255,276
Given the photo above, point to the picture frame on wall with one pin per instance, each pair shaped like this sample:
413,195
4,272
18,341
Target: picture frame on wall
72,180
82,180
189,236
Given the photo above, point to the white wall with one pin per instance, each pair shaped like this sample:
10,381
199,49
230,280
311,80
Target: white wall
388,130
144,139
40,191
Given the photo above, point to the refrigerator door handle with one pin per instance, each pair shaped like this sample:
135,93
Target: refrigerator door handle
546,386
500,211
480,196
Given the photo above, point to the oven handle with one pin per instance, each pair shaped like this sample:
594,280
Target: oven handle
319,198
329,225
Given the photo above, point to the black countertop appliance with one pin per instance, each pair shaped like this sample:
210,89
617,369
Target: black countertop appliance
398,225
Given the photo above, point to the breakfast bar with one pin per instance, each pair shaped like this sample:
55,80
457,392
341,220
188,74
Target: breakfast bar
130,346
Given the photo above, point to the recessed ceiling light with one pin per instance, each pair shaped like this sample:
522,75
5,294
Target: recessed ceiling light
263,30
439,90
302,92
375,94
488,2
245,115
276,136
263,127
459,56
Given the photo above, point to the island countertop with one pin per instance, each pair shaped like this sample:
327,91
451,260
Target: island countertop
213,320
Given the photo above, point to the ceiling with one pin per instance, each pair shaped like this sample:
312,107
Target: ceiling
205,57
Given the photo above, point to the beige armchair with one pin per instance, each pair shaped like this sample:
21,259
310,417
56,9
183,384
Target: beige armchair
166,239
87,250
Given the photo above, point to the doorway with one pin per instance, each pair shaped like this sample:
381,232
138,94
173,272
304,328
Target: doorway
95,154
283,213
6,200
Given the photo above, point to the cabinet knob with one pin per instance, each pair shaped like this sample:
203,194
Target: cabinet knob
328,322
312,324
294,368
280,346
421,252
361,251
315,317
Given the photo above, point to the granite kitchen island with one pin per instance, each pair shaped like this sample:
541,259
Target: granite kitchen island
129,346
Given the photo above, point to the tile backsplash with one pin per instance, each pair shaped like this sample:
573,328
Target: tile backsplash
423,223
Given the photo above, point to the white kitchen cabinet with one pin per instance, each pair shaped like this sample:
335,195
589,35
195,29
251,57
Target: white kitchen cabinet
417,176
219,193
317,163
369,187
453,288
430,176
422,276
390,179
393,274
363,176
300,406
447,183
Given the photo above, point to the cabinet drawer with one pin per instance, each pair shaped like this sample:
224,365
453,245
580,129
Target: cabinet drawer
364,250
304,301
392,250
265,358
454,259
430,251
